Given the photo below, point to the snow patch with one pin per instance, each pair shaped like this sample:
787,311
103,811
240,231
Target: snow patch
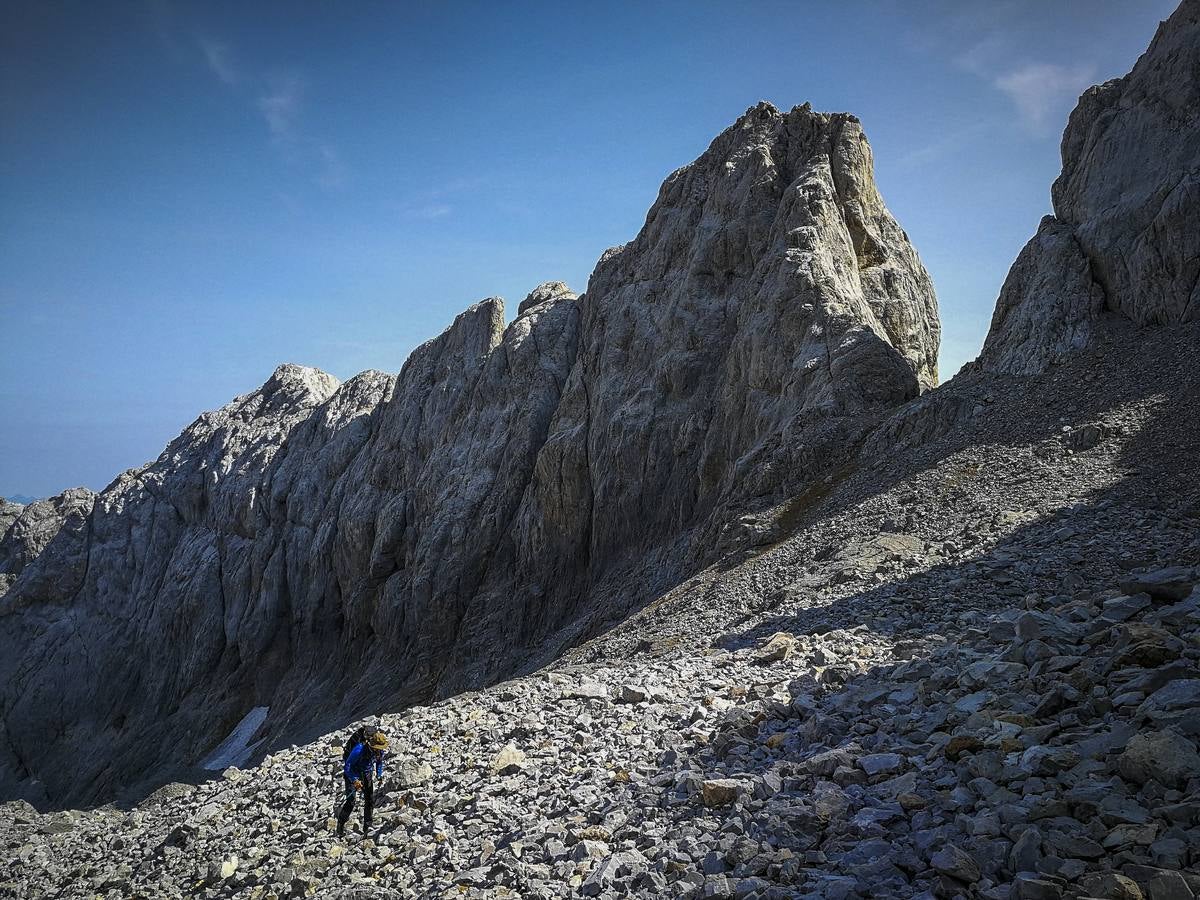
236,749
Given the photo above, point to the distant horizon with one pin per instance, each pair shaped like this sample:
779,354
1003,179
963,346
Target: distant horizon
197,193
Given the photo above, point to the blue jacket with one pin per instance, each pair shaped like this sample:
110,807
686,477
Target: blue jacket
358,763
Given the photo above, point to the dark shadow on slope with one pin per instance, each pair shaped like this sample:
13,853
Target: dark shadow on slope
1143,521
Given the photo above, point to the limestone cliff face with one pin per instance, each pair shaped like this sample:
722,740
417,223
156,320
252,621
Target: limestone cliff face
1123,237
779,297
329,549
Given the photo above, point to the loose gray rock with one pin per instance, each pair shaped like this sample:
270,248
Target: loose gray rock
1162,756
508,761
956,863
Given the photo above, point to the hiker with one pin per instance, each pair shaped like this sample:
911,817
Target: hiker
364,760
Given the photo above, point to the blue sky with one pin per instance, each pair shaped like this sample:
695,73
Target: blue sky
192,193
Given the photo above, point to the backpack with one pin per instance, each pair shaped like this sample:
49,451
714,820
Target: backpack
359,736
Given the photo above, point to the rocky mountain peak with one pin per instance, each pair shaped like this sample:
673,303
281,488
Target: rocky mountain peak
300,384
475,332
26,532
774,174
1122,240
545,292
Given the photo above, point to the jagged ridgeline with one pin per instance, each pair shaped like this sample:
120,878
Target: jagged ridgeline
513,490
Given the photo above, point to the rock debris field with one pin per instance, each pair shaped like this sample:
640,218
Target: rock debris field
972,671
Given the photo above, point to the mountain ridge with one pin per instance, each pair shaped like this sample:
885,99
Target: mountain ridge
466,510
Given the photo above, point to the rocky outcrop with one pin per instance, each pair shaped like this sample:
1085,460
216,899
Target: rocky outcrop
1122,238
10,511
27,531
1047,304
318,549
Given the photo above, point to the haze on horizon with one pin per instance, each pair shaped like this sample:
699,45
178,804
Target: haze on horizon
194,193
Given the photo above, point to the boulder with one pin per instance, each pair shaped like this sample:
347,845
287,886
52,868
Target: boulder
1032,887
629,693
1162,756
1169,585
509,761
1173,702
721,791
956,863
410,773
1110,885
587,689
1119,609
881,763
777,648
1026,852
222,870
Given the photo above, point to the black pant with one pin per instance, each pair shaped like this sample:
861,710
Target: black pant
368,790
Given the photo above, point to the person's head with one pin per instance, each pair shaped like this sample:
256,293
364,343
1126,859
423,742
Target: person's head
378,742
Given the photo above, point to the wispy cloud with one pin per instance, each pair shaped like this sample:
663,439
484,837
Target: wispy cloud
944,144
280,103
278,97
961,28
984,55
1041,91
332,173
431,211
219,59
436,202
989,41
